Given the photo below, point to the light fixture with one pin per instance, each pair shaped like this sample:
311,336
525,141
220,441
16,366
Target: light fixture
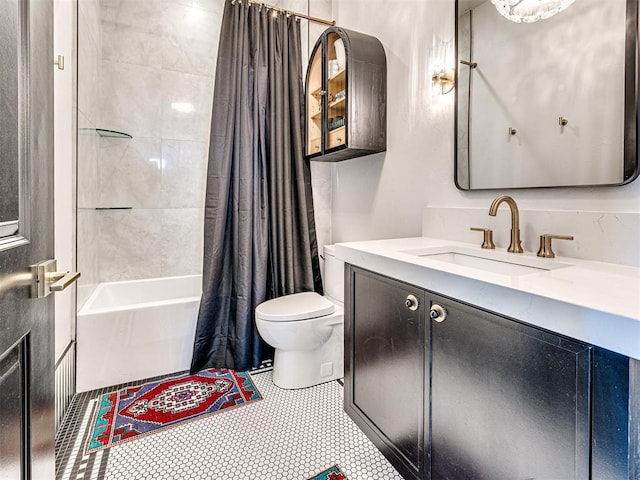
442,66
442,80
529,11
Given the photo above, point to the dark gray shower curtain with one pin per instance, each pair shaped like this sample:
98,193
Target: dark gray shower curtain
260,239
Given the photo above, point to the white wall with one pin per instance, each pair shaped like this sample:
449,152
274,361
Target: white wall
382,196
64,171
321,172
89,60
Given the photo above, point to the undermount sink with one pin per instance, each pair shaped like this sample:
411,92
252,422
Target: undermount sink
488,260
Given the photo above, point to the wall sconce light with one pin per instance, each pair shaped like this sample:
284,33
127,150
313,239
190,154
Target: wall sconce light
443,80
443,70
529,11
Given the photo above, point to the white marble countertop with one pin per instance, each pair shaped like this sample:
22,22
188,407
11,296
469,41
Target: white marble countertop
595,302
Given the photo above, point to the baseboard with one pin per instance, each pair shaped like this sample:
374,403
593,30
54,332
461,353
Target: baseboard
65,381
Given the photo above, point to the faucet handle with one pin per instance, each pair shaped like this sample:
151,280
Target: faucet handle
545,244
487,241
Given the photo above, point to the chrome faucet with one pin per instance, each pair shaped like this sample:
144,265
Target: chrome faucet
515,246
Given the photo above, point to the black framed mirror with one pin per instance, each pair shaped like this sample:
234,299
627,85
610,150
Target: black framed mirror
546,104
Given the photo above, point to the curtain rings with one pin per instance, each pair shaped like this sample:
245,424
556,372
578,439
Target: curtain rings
274,10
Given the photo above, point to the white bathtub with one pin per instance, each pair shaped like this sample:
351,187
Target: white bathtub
136,329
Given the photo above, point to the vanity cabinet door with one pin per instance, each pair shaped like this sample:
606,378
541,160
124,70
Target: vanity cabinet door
508,401
385,360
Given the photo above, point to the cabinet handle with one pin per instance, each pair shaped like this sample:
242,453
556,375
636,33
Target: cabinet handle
438,313
411,303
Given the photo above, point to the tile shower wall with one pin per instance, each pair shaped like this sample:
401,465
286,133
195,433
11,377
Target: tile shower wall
149,72
157,77
89,58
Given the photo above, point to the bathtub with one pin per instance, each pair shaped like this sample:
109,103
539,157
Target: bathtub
136,329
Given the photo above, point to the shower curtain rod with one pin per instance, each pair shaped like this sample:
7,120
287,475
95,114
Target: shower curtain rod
289,12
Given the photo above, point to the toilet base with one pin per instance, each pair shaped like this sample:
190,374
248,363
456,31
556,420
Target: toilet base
304,368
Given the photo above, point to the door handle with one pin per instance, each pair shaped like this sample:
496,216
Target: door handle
64,280
46,279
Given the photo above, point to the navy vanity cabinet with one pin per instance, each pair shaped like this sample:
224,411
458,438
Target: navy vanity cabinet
386,355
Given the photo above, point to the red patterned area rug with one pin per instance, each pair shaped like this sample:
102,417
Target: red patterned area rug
331,473
133,412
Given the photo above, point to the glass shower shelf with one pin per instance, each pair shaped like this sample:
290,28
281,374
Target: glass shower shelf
112,133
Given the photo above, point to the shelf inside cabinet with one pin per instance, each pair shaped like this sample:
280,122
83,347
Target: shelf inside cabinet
314,145
338,103
339,76
337,137
335,123
317,93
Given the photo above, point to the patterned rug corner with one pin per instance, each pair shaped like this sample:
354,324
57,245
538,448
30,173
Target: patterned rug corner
126,414
331,473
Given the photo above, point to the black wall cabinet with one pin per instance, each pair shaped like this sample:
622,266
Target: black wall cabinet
480,396
346,96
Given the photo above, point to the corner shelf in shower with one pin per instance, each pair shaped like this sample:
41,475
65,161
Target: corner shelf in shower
112,133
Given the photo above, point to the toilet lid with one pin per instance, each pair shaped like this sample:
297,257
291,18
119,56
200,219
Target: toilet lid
298,306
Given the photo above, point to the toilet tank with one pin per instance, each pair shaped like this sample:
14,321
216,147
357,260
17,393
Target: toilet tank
333,274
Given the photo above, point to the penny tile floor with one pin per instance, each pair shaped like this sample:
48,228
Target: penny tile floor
289,435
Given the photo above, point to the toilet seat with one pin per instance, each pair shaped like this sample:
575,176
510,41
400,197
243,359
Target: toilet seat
298,306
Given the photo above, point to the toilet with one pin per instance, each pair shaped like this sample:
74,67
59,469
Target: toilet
307,331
